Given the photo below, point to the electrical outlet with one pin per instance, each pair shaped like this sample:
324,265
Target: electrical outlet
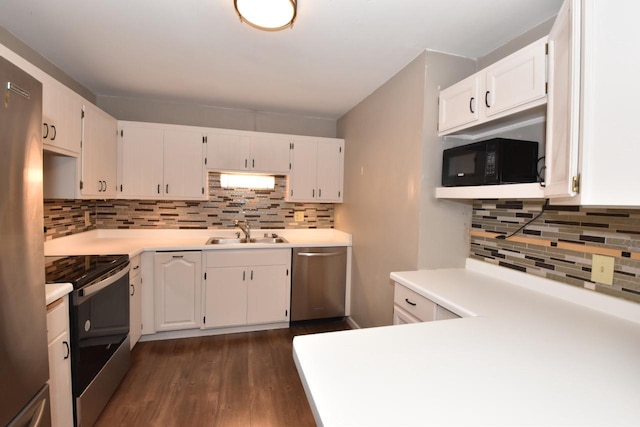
87,218
602,269
298,216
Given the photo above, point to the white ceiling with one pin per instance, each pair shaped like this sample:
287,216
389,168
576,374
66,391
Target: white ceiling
338,52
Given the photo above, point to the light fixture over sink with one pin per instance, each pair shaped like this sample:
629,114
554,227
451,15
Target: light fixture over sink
267,15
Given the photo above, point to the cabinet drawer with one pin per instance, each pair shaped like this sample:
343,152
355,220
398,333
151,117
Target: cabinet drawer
414,304
135,266
248,257
57,318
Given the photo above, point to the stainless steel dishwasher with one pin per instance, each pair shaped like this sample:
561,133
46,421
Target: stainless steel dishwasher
319,283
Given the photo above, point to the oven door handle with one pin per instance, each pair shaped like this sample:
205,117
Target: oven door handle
90,290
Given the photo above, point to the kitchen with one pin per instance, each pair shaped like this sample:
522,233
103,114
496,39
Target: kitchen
403,110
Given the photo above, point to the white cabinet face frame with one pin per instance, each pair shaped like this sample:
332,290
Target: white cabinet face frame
563,104
60,363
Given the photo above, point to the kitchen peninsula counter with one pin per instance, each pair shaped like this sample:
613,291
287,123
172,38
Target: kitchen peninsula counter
527,351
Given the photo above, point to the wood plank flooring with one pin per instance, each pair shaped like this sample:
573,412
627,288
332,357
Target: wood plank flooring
247,379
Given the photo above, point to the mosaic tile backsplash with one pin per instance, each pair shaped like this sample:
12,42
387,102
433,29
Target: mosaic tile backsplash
560,244
263,208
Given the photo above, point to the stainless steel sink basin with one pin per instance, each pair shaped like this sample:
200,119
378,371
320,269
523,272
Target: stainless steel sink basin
229,240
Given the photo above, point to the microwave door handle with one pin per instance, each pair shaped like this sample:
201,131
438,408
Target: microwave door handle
92,289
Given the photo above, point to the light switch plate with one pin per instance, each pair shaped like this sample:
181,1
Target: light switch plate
298,216
87,219
602,269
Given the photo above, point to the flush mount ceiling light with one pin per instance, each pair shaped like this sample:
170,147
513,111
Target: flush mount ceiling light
268,15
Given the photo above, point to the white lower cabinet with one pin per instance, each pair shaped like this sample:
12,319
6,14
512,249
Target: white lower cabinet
135,301
246,287
59,363
177,288
411,307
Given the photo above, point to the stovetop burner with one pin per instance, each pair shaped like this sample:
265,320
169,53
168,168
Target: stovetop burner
81,269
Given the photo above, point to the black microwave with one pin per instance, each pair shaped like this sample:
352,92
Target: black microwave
495,161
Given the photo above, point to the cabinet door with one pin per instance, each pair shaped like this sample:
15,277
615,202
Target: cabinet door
141,159
329,170
268,294
459,104
183,165
135,307
270,154
178,286
401,317
516,80
301,183
99,153
563,103
225,297
62,118
227,151
60,381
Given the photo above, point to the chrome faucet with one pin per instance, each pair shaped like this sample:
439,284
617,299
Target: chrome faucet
245,227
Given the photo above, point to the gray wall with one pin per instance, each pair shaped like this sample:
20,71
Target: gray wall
16,45
162,111
389,204
180,113
535,33
444,224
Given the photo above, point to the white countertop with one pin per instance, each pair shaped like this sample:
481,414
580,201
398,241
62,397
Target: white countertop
133,242
517,357
54,291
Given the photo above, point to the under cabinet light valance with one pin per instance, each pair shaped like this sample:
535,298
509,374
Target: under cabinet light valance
254,182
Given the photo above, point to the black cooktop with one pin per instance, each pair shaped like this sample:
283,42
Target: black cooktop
80,270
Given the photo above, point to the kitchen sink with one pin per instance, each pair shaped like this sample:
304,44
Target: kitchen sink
228,240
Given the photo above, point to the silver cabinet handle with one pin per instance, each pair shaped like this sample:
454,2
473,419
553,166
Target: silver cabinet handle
319,253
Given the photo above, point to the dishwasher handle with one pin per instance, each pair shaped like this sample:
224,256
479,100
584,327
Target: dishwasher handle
323,254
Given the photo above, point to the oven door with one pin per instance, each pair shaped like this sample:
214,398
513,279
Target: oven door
99,326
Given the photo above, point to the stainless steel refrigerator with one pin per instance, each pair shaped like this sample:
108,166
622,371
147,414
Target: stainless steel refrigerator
24,369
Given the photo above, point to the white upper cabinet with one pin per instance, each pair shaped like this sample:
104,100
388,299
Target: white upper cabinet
516,81
99,154
161,162
459,104
317,168
511,85
140,161
241,151
61,118
591,156
184,176
270,153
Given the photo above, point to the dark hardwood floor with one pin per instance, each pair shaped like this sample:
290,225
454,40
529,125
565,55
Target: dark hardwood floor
246,379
